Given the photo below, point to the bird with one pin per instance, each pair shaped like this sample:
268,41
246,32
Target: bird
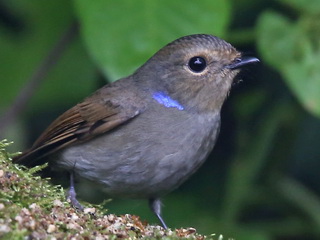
142,136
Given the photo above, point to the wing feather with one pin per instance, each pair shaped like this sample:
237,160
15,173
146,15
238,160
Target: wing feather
92,117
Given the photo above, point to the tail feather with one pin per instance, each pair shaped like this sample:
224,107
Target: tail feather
28,158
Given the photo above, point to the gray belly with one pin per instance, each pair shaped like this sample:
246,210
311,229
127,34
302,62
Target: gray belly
146,157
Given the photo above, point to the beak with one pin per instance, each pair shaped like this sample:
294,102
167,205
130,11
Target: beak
242,61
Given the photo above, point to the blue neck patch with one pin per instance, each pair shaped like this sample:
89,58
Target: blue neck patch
167,101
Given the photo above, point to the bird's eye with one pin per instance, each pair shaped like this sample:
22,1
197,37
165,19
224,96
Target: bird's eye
197,64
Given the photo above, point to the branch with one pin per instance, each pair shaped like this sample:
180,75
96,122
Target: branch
38,77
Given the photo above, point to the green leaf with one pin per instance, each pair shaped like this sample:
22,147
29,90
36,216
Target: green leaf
294,50
278,39
304,79
122,35
309,6
23,50
300,196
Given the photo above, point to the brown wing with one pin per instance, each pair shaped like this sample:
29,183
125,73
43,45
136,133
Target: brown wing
86,120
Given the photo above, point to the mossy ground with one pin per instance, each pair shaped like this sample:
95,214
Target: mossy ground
32,208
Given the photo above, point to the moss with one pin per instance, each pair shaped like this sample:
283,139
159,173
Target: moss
32,208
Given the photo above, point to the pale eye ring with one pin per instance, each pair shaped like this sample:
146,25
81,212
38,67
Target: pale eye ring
197,64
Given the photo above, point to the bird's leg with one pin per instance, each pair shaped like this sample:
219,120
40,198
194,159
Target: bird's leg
72,195
155,205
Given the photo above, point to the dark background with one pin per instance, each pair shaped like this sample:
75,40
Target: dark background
262,180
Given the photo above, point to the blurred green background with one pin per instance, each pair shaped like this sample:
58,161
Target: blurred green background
262,180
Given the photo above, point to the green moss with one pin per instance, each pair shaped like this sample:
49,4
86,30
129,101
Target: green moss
30,207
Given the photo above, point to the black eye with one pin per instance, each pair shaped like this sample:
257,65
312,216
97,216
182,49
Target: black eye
197,64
